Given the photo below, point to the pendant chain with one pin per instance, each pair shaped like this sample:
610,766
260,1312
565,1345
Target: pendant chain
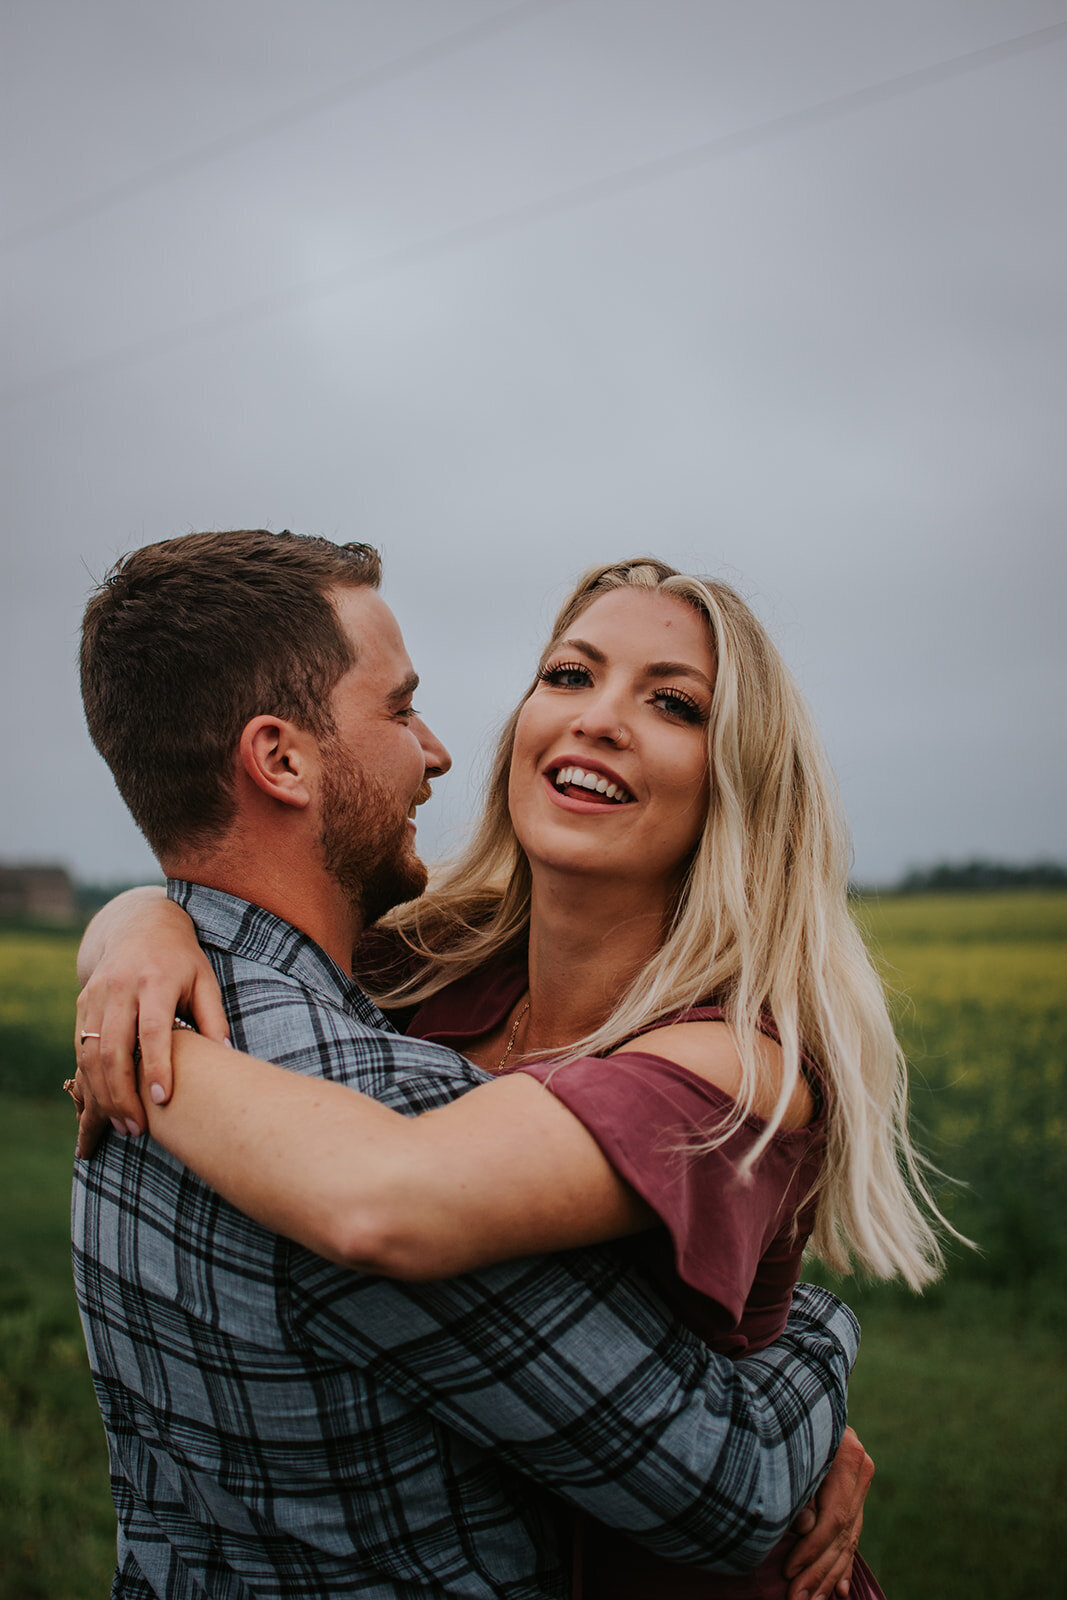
502,1063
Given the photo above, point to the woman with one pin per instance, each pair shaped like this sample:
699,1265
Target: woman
660,861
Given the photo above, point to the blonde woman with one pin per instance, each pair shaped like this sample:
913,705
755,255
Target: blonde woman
648,944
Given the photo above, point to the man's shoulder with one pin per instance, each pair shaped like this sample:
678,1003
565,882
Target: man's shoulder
284,1008
306,1022
268,967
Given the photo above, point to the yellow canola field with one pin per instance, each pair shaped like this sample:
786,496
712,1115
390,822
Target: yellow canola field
38,985
978,987
38,989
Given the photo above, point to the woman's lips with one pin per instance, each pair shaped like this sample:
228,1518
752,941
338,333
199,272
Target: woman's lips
569,786
590,780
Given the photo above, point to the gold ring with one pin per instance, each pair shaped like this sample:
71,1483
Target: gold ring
71,1086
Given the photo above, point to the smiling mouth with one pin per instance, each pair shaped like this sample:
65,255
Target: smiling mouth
420,799
582,785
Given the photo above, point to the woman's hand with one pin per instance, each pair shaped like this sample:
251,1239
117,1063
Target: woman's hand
821,1564
141,965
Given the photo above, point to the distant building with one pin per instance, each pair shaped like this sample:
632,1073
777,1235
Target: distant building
36,894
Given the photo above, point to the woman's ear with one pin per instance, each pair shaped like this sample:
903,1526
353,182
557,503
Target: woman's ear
279,759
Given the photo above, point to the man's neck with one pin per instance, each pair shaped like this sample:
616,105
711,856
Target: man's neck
297,892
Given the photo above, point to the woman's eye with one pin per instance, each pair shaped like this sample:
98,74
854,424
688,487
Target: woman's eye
679,705
567,675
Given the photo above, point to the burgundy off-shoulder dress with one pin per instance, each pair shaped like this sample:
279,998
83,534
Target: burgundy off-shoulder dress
726,1258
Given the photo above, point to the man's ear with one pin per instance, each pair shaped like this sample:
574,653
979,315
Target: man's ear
279,759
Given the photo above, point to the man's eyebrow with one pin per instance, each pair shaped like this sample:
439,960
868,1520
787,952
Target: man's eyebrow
655,669
403,690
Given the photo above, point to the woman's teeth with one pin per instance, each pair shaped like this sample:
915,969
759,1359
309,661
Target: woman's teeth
578,778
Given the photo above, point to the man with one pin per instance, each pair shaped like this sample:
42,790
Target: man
278,1426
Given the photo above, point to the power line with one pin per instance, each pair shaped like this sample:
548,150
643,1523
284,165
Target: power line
175,166
564,202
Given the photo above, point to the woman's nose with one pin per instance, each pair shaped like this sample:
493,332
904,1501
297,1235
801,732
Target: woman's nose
601,717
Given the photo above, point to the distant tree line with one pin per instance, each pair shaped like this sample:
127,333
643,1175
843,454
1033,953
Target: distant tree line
83,900
965,877
89,897
944,877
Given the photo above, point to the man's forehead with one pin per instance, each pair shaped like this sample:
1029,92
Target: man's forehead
375,636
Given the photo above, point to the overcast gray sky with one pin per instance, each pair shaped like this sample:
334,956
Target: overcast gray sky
775,290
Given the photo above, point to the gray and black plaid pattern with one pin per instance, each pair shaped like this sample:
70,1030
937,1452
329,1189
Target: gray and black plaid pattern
280,1427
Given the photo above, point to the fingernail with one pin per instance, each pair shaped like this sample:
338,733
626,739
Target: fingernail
119,1127
157,1094
229,1044
132,1128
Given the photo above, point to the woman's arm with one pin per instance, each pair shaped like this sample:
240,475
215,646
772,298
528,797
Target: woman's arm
140,964
504,1171
111,921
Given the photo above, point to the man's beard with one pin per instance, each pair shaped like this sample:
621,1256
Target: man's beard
366,838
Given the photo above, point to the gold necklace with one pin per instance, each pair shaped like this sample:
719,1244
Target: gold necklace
502,1063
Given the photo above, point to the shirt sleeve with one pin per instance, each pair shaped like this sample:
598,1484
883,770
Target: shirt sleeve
567,1367
652,1119
572,1373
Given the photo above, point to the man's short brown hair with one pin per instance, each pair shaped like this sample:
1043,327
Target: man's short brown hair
187,640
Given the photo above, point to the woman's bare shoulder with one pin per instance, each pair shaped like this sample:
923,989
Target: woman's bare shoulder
708,1050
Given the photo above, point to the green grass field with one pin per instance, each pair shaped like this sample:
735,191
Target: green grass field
57,1536
38,989
960,1397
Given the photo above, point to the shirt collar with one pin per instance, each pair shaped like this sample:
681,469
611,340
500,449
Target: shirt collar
246,930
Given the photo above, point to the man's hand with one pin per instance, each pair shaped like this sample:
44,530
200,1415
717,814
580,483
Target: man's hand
821,1564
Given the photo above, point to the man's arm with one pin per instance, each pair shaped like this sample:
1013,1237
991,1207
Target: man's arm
566,1366
570,1372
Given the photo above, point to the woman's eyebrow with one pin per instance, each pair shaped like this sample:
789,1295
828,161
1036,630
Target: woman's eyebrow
655,669
585,647
678,669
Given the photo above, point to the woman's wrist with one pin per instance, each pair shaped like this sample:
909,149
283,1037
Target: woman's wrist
109,925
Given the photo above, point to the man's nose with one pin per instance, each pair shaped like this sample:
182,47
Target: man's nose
434,753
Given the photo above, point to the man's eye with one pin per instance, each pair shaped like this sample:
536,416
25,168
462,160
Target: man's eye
567,675
407,712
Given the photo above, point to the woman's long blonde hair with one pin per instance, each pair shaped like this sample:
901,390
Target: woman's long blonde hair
761,926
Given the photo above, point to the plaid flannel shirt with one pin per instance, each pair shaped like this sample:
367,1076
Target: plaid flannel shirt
278,1426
